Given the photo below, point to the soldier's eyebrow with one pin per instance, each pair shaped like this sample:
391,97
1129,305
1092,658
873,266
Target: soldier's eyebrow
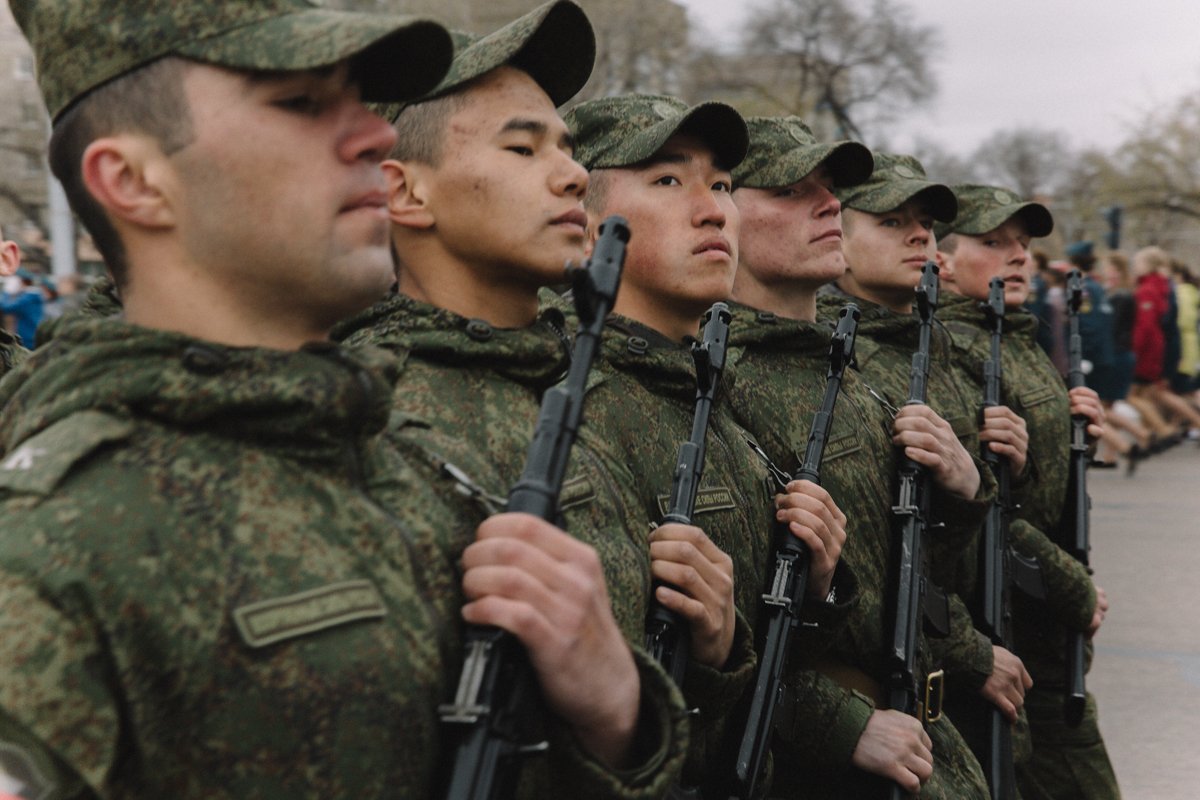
665,158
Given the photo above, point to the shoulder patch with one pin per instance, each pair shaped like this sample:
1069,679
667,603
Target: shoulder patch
39,463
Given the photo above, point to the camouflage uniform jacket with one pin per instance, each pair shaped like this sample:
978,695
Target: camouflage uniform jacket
11,352
884,350
1033,389
639,409
198,598
101,301
466,402
780,375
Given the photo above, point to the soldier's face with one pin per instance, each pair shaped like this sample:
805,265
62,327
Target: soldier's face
885,252
792,233
506,196
279,196
1002,253
683,246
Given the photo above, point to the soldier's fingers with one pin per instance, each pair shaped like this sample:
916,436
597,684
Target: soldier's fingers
694,536
710,590
693,611
517,554
707,560
518,618
538,533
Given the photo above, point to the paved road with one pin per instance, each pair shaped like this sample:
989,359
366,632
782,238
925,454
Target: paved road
1146,676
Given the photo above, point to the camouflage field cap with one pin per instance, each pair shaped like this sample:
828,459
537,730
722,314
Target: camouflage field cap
81,44
554,43
623,131
895,180
783,151
984,208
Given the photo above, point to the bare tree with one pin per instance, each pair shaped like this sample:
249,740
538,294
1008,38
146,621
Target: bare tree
1030,161
857,63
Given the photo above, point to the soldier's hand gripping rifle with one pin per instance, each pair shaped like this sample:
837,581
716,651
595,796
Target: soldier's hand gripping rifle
1075,525
1000,566
667,637
789,578
910,588
497,681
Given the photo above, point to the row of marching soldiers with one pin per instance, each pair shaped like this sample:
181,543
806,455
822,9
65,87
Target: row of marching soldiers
271,529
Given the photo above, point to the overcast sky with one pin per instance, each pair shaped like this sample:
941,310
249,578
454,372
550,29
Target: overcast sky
1088,69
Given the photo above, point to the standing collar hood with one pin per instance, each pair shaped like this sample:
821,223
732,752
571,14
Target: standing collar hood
751,327
306,401
538,354
959,308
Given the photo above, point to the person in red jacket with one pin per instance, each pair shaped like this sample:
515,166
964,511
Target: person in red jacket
1150,300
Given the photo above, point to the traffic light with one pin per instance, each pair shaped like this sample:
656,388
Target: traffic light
1112,216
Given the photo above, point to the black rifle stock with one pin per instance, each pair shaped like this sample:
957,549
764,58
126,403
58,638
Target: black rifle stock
1078,502
789,575
496,680
910,587
666,634
1001,567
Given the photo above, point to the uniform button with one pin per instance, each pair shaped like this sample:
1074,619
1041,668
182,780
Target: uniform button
204,360
479,330
638,346
765,316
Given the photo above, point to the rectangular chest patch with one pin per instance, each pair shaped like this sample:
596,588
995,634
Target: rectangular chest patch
270,621
715,498
575,492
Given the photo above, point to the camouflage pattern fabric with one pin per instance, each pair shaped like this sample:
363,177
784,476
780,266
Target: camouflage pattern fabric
640,407
1035,391
786,151
780,368
1067,763
895,180
886,342
467,400
554,44
101,301
397,56
11,352
982,209
613,132
198,598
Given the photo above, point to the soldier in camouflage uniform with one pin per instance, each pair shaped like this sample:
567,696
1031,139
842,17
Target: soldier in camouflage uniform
990,238
664,167
834,726
200,595
11,351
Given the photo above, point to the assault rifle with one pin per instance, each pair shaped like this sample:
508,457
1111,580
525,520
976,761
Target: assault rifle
1000,567
667,635
790,576
1075,525
497,681
910,588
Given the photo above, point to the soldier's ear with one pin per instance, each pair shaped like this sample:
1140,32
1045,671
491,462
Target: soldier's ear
131,179
407,195
945,262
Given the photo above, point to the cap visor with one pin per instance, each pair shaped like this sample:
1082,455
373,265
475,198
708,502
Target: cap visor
560,52
721,128
849,163
393,57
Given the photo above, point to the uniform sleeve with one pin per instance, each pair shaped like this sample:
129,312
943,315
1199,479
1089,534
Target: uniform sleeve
1070,592
818,723
714,694
820,622
58,716
966,654
660,746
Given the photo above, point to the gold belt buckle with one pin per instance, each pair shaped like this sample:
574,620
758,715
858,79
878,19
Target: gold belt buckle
935,686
